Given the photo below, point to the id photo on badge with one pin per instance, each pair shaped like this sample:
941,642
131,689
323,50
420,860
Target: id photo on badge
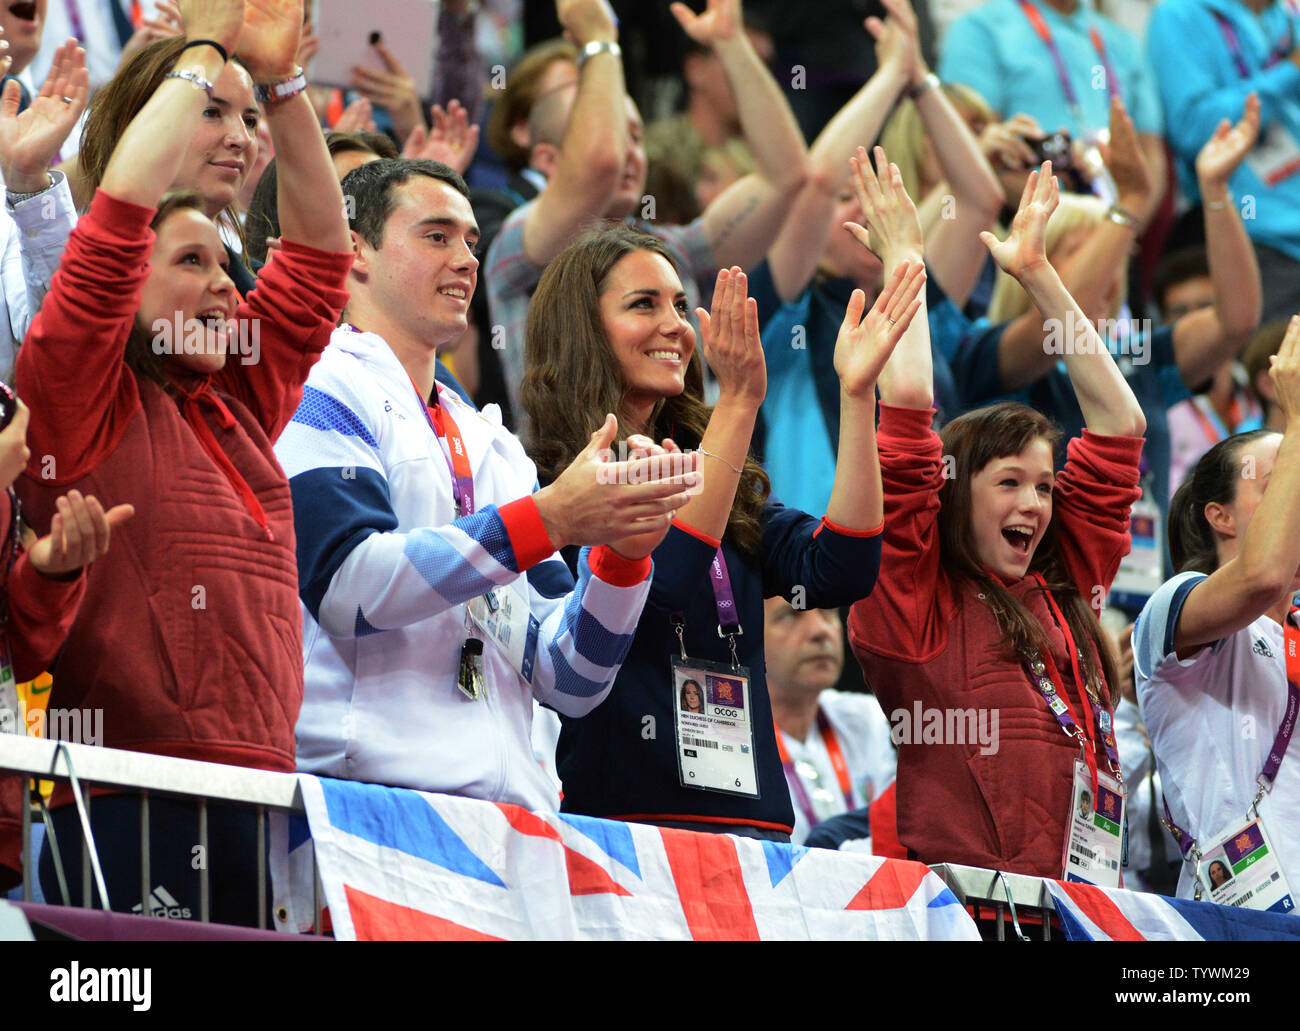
1216,873
690,694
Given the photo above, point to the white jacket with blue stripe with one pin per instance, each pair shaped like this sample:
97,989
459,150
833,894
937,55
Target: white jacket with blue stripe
385,574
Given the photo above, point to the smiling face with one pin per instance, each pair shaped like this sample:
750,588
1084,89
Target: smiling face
188,287
416,286
643,311
225,146
1255,461
1011,505
22,23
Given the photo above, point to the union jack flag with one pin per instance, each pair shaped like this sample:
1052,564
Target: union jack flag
396,863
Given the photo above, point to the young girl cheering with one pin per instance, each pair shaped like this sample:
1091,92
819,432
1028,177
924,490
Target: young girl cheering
990,570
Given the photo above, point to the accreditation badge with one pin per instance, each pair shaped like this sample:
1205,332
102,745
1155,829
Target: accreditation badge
715,727
504,617
1094,840
11,721
1240,868
1275,156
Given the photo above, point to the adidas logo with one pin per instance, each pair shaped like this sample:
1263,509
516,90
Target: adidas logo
1261,648
163,904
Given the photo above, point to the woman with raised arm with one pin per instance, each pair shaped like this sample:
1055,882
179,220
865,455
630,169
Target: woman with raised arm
1214,650
607,331
980,637
151,383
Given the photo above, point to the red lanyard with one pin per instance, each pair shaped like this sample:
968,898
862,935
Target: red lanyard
1045,34
836,754
453,448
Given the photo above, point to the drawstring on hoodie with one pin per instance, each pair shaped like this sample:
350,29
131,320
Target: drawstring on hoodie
203,395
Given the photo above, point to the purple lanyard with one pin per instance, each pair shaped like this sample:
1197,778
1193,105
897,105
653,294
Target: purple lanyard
1234,46
74,17
728,619
1280,742
462,487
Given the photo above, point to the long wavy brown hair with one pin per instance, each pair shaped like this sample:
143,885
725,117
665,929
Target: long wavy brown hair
117,102
574,378
973,440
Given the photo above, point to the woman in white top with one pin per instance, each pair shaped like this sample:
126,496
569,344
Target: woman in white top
1210,646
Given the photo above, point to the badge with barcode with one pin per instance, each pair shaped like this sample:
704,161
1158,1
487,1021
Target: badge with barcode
504,618
715,727
1094,833
1240,868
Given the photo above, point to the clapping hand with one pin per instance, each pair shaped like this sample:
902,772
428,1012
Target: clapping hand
730,341
30,141
452,140
1226,149
720,22
1123,157
79,534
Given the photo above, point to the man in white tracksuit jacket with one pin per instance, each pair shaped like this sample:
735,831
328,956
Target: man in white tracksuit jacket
406,513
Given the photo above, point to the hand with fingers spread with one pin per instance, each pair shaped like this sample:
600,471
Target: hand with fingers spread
392,89
452,140
730,340
30,141
719,23
165,23
1123,156
865,344
597,500
893,230
79,534
14,452
1224,151
1025,248
356,117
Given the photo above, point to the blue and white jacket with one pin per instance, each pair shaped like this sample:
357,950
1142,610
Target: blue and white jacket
386,571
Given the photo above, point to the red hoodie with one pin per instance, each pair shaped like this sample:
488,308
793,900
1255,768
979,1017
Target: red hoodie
922,636
189,638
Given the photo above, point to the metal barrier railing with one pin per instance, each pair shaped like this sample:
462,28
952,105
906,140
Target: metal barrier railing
85,767
1001,892
89,766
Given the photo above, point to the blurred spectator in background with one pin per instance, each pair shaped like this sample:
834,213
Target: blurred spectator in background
1255,360
1059,62
834,747
598,170
710,117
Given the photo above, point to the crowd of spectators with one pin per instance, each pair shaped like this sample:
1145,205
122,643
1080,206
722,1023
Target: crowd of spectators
534,431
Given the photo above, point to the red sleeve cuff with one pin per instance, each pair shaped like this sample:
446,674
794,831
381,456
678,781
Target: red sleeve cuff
611,567
845,531
1119,449
527,532
699,535
44,600
122,217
